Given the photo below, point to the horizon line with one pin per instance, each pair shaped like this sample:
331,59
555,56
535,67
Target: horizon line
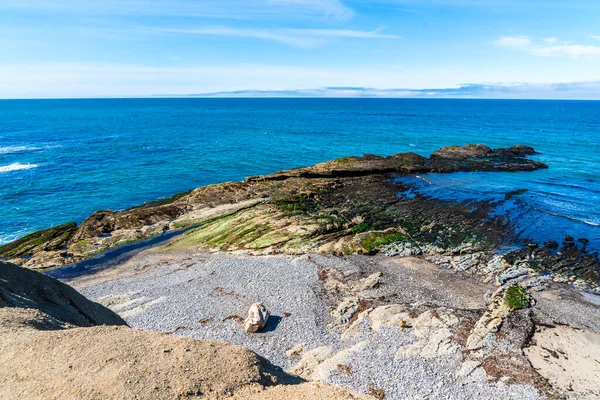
173,97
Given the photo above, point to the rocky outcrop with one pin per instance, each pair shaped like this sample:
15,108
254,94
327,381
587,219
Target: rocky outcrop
351,205
104,222
463,152
52,239
314,194
448,159
23,289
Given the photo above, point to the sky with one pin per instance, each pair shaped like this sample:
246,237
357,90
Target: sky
333,48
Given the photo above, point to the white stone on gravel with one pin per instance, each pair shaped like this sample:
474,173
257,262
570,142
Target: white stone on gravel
224,285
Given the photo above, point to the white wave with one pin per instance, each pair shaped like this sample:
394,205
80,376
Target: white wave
16,149
16,167
20,149
569,217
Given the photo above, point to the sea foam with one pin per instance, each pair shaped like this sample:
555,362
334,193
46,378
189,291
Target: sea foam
16,149
16,167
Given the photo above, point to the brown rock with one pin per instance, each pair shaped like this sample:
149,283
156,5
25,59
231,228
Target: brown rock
26,289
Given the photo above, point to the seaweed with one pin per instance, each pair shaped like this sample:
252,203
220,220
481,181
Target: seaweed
376,240
517,298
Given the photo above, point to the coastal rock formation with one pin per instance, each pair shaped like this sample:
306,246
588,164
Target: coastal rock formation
462,152
352,205
372,279
49,246
297,192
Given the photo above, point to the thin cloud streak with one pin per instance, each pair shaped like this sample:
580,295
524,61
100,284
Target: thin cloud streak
333,8
62,80
513,42
230,9
551,47
293,37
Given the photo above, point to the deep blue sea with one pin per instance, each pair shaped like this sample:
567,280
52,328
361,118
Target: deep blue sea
60,160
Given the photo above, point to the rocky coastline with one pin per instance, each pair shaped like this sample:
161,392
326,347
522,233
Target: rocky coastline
370,252
350,205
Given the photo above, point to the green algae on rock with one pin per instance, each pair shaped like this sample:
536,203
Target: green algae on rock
54,238
516,297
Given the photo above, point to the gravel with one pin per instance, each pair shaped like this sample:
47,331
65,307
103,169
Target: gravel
173,296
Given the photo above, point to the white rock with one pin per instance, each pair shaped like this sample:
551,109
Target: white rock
258,315
329,365
295,351
489,323
367,283
345,310
433,336
310,361
392,315
511,274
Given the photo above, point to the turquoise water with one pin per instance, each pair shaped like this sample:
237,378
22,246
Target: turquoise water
60,160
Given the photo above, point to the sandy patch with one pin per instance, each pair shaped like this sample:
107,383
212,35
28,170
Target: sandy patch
570,360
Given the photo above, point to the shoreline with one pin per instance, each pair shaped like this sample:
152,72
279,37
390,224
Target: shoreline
298,211
372,287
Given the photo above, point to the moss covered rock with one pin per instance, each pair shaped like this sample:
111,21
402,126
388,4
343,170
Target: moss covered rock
516,297
51,239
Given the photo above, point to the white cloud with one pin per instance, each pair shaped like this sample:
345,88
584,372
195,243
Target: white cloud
104,80
549,47
575,90
515,42
293,37
329,7
237,9
570,50
125,80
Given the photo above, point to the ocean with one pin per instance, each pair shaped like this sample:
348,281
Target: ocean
60,160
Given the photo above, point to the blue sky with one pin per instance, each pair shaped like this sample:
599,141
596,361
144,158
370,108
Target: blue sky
392,48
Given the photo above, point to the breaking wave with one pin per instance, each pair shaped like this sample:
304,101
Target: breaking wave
16,167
